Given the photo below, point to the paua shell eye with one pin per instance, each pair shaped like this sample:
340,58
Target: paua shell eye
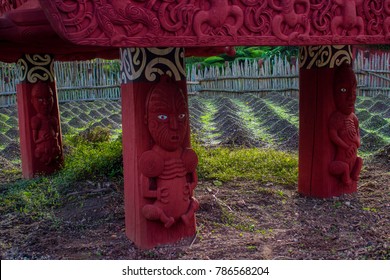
343,90
162,117
182,116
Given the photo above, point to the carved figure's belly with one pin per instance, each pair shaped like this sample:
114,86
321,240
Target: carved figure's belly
175,196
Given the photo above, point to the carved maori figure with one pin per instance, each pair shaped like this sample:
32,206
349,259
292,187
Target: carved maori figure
45,127
349,20
135,20
290,18
216,18
344,128
169,166
386,24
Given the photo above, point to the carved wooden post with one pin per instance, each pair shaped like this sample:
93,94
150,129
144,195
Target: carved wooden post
159,165
328,128
39,119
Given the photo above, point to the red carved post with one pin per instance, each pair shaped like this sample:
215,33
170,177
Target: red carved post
328,128
39,119
159,165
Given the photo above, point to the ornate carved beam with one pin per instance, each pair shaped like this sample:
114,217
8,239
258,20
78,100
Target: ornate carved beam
190,23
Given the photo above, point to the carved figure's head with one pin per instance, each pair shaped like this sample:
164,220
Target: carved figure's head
42,98
166,114
344,89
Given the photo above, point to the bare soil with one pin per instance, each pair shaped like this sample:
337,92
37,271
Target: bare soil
238,220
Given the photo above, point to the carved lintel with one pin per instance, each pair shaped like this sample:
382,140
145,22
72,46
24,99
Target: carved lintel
324,56
191,23
149,64
36,67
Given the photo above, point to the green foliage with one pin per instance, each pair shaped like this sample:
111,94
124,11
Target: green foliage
3,117
243,53
96,134
91,160
35,197
265,165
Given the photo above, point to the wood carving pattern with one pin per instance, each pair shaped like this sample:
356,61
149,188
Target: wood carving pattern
344,128
387,20
220,23
348,23
289,18
324,56
44,125
216,19
169,165
33,68
136,64
8,5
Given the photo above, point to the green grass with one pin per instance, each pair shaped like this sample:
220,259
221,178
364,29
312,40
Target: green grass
94,160
265,165
87,160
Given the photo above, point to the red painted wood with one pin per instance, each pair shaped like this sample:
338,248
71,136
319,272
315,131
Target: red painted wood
221,22
144,157
318,151
39,128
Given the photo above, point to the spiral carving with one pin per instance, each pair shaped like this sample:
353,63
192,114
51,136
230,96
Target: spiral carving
324,56
149,64
36,67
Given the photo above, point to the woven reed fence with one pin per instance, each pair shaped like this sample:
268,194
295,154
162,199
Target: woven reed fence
100,79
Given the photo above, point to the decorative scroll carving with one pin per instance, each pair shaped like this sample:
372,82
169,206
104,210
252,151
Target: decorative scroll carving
387,20
148,64
36,67
219,23
344,128
215,18
324,56
8,5
169,165
288,18
348,23
45,127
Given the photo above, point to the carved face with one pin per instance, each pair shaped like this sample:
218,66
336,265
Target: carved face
345,90
42,98
167,116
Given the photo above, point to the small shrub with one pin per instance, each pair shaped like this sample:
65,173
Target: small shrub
97,134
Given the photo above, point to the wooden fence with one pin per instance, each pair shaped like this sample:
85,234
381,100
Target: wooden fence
280,75
249,76
100,79
373,73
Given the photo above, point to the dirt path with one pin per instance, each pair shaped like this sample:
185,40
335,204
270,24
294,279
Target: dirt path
238,220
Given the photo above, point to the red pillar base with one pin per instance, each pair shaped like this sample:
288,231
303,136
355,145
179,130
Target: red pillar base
329,137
